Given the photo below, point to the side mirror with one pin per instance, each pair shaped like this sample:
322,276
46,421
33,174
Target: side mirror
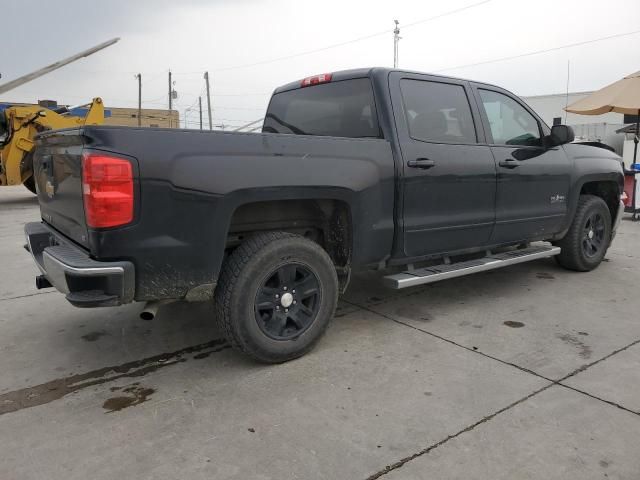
561,134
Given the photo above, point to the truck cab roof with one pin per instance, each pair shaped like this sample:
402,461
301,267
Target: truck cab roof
369,72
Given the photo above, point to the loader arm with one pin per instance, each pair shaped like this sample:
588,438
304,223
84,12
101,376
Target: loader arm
22,124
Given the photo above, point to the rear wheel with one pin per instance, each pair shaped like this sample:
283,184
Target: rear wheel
30,184
276,296
27,163
586,243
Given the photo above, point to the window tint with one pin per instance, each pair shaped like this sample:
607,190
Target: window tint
510,123
338,109
437,112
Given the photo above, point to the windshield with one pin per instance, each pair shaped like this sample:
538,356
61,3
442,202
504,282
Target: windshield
338,109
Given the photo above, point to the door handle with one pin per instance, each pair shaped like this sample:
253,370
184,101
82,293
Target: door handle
423,163
509,163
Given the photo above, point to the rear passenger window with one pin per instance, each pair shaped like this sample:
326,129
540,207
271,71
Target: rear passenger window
437,112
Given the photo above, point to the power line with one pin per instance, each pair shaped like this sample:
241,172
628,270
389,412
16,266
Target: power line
155,100
242,94
485,62
188,117
347,42
241,108
537,52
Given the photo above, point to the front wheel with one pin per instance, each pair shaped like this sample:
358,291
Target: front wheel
276,295
586,243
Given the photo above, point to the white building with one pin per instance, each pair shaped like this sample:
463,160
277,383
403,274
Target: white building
600,128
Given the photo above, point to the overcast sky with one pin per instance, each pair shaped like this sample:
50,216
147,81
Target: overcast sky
235,40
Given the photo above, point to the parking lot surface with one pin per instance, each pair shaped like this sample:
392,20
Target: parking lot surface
525,372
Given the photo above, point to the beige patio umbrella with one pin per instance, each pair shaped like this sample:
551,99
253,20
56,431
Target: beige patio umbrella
622,96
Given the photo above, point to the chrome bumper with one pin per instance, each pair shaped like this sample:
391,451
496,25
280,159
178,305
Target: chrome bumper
84,281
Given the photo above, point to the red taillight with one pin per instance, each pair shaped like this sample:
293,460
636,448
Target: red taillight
316,79
107,190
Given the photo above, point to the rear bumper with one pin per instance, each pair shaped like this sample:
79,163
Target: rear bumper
70,269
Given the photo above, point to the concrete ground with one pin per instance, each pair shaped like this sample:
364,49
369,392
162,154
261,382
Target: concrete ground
525,372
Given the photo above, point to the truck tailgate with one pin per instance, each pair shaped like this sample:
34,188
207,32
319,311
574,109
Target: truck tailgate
57,167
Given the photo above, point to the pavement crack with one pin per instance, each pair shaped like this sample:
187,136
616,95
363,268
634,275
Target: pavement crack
504,362
595,397
28,295
400,463
558,382
388,317
55,389
589,365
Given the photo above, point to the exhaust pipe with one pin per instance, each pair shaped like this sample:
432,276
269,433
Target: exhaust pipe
151,309
42,282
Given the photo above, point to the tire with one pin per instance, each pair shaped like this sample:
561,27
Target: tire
30,184
586,243
258,306
27,163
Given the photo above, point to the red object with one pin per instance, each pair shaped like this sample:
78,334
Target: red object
629,188
107,190
316,80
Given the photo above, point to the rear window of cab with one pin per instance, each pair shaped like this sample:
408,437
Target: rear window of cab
338,109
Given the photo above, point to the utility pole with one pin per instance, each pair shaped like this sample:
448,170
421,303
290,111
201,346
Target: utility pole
206,79
200,108
139,77
566,101
170,99
396,40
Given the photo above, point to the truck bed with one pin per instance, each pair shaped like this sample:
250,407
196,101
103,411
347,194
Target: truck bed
189,183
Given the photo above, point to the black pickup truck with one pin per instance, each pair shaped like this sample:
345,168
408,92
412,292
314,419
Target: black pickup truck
369,168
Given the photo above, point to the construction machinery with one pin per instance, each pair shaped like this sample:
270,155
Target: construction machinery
18,127
19,124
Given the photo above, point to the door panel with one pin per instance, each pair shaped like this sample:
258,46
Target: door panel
532,197
533,181
451,205
449,180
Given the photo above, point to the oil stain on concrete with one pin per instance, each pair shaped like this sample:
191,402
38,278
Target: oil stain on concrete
93,336
513,324
545,275
583,350
55,389
135,396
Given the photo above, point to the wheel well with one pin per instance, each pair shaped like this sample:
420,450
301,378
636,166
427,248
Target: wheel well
608,191
327,222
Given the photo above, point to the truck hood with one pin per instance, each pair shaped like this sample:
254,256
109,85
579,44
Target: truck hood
581,152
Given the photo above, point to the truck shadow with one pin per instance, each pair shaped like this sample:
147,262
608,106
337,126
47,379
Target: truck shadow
31,201
181,325
183,332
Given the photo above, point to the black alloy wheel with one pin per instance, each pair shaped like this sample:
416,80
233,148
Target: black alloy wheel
593,239
288,301
276,295
586,242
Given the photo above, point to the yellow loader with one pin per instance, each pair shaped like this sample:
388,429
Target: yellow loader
18,127
19,124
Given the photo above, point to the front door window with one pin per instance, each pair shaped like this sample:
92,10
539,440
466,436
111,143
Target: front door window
510,122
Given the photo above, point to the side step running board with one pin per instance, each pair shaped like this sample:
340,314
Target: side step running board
491,262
